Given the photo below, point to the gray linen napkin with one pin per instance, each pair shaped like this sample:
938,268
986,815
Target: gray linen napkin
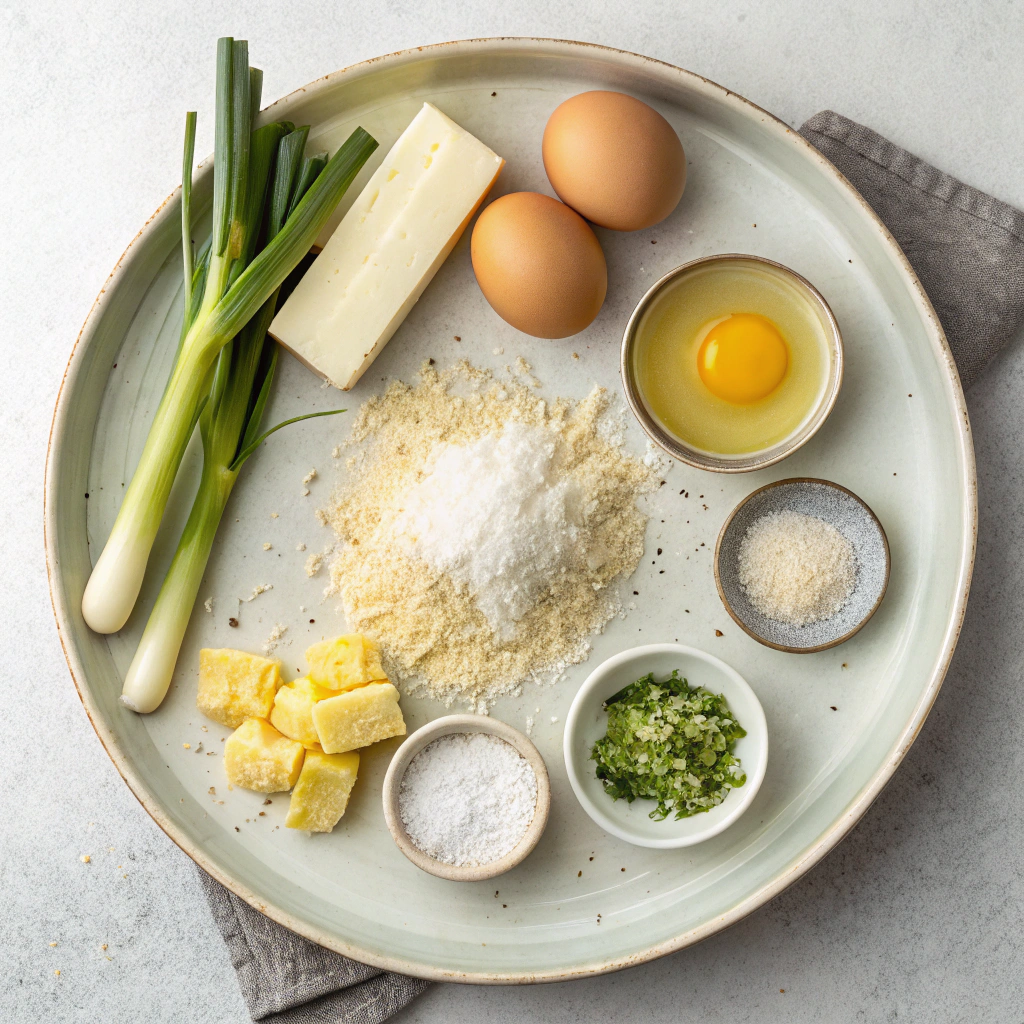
968,250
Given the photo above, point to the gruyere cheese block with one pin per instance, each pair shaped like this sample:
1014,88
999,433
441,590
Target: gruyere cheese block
387,248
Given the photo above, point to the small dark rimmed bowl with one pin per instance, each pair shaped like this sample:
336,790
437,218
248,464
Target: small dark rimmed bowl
745,463
840,508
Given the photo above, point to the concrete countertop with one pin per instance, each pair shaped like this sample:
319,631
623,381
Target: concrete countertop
917,914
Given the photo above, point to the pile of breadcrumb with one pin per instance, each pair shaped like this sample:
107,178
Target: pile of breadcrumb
435,602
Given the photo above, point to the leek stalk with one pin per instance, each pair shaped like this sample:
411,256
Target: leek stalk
234,284
229,425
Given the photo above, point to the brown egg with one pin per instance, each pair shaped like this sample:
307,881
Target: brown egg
539,265
614,159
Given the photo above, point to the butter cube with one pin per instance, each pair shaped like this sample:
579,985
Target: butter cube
321,794
358,718
293,710
344,662
234,685
257,756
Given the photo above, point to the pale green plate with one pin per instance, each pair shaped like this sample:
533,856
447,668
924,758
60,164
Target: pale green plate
754,186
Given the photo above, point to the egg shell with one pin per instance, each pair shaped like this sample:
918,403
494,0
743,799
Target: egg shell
539,265
614,159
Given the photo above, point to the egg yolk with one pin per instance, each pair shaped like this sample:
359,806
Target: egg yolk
743,358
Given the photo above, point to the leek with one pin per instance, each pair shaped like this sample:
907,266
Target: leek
229,426
235,284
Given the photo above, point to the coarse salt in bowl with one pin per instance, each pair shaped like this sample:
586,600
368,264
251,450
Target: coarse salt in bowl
453,725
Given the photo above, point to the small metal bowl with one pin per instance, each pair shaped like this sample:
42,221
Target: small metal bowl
745,463
426,735
840,508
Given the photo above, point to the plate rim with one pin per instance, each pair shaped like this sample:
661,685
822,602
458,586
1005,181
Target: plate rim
842,824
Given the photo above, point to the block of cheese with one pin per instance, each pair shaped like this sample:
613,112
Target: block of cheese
321,794
292,715
257,756
345,662
358,718
387,248
234,685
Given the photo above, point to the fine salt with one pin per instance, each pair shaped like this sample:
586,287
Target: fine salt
497,517
467,799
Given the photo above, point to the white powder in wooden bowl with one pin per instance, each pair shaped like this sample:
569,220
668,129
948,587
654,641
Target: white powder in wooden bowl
468,799
481,528
795,568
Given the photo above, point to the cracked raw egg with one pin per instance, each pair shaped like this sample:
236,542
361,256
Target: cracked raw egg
731,355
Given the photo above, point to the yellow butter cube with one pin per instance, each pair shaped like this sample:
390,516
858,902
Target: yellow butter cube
358,718
321,794
293,710
344,662
257,756
234,685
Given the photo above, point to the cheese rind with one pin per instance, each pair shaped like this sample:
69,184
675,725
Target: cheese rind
387,248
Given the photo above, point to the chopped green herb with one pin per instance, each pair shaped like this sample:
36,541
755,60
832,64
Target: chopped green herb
669,743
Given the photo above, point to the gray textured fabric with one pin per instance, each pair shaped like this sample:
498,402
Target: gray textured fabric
967,248
286,979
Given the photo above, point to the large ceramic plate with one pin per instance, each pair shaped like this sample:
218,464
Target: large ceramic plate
754,186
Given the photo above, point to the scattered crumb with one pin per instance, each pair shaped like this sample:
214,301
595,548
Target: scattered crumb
52,944
274,515
529,726
199,748
300,546
499,351
267,546
272,641
212,791
104,946
336,452
305,492
718,632
86,858
57,973
208,605
554,718
314,563
232,622
309,477
187,746
256,591
575,355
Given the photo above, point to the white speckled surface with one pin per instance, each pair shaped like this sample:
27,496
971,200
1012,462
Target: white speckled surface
917,914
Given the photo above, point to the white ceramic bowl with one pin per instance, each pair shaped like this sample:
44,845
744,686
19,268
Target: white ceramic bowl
587,722
445,727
